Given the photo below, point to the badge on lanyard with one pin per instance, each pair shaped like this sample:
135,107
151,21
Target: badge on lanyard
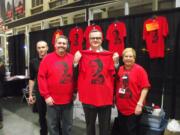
122,91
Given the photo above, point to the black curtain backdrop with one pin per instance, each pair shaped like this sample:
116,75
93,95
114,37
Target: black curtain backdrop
164,74
16,49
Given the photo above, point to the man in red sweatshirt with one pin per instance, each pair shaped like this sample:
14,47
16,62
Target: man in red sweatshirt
56,85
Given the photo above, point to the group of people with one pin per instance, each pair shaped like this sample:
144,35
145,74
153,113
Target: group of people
58,76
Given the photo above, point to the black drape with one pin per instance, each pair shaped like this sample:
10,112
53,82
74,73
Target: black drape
16,50
176,72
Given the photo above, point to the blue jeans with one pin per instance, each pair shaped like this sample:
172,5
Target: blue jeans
60,114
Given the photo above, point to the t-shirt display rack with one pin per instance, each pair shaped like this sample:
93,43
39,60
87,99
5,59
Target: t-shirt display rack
164,72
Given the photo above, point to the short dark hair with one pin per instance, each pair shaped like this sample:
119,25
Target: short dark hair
42,41
95,30
62,36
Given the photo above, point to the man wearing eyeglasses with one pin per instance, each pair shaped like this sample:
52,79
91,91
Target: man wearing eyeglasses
56,85
95,83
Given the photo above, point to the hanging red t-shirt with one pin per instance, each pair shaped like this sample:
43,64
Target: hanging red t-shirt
95,80
55,78
154,32
129,87
76,39
56,34
88,30
116,33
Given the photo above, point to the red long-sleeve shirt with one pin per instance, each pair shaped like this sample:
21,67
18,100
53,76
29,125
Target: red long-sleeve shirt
55,78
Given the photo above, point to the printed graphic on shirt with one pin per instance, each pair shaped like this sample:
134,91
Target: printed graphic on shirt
96,69
76,39
76,36
117,39
155,36
63,69
125,91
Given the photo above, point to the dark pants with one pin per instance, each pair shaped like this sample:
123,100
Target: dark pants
41,107
57,114
128,125
1,115
104,116
1,94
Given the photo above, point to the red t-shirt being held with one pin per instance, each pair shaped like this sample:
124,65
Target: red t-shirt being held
96,81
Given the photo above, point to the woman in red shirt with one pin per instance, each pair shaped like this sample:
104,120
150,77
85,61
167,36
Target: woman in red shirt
131,92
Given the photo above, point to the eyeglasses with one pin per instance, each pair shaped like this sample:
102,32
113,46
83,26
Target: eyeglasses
95,38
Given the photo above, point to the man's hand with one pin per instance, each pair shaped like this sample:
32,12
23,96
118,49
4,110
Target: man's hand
116,58
31,100
77,57
49,101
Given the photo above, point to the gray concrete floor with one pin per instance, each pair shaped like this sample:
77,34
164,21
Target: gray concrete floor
19,119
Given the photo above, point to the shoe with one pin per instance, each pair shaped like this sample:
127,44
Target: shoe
1,124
